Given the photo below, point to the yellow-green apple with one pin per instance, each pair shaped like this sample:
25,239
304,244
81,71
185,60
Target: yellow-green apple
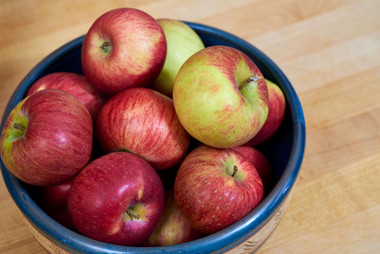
276,113
143,121
173,227
260,162
123,48
214,188
182,41
117,198
221,97
47,138
76,85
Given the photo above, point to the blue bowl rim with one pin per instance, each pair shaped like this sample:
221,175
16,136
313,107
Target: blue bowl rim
238,232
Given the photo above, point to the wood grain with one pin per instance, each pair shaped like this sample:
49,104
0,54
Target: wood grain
330,51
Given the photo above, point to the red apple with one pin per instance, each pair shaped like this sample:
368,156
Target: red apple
260,162
76,85
54,198
215,188
221,97
275,117
117,198
47,138
63,218
173,227
143,121
124,48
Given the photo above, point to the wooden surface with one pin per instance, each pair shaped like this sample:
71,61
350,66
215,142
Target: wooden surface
330,51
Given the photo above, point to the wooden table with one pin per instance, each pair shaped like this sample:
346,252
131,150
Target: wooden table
330,51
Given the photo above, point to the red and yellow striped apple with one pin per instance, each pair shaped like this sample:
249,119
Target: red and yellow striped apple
47,138
123,48
143,121
221,97
215,188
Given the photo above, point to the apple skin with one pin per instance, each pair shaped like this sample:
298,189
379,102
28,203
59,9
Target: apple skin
221,97
123,48
210,195
143,121
54,198
108,191
47,138
276,113
63,218
76,85
182,42
173,227
260,162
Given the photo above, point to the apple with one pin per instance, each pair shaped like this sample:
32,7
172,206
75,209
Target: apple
54,198
143,121
215,188
277,106
260,162
47,138
63,218
221,97
173,227
76,85
123,48
117,198
182,42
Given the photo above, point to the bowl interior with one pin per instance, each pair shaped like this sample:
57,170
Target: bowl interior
284,151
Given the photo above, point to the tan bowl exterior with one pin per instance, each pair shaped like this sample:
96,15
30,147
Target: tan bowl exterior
249,246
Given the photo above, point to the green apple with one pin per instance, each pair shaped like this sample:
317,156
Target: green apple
221,97
182,41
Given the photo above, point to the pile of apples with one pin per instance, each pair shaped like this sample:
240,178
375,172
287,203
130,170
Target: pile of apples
153,102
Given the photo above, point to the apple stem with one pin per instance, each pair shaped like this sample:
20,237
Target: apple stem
251,79
106,47
19,127
133,215
235,170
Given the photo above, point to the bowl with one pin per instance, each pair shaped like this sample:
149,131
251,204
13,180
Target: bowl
285,152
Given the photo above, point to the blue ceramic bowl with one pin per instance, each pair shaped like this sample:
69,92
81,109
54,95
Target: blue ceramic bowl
285,151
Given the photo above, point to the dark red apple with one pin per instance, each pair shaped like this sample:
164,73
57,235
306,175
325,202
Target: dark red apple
54,198
63,218
117,198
